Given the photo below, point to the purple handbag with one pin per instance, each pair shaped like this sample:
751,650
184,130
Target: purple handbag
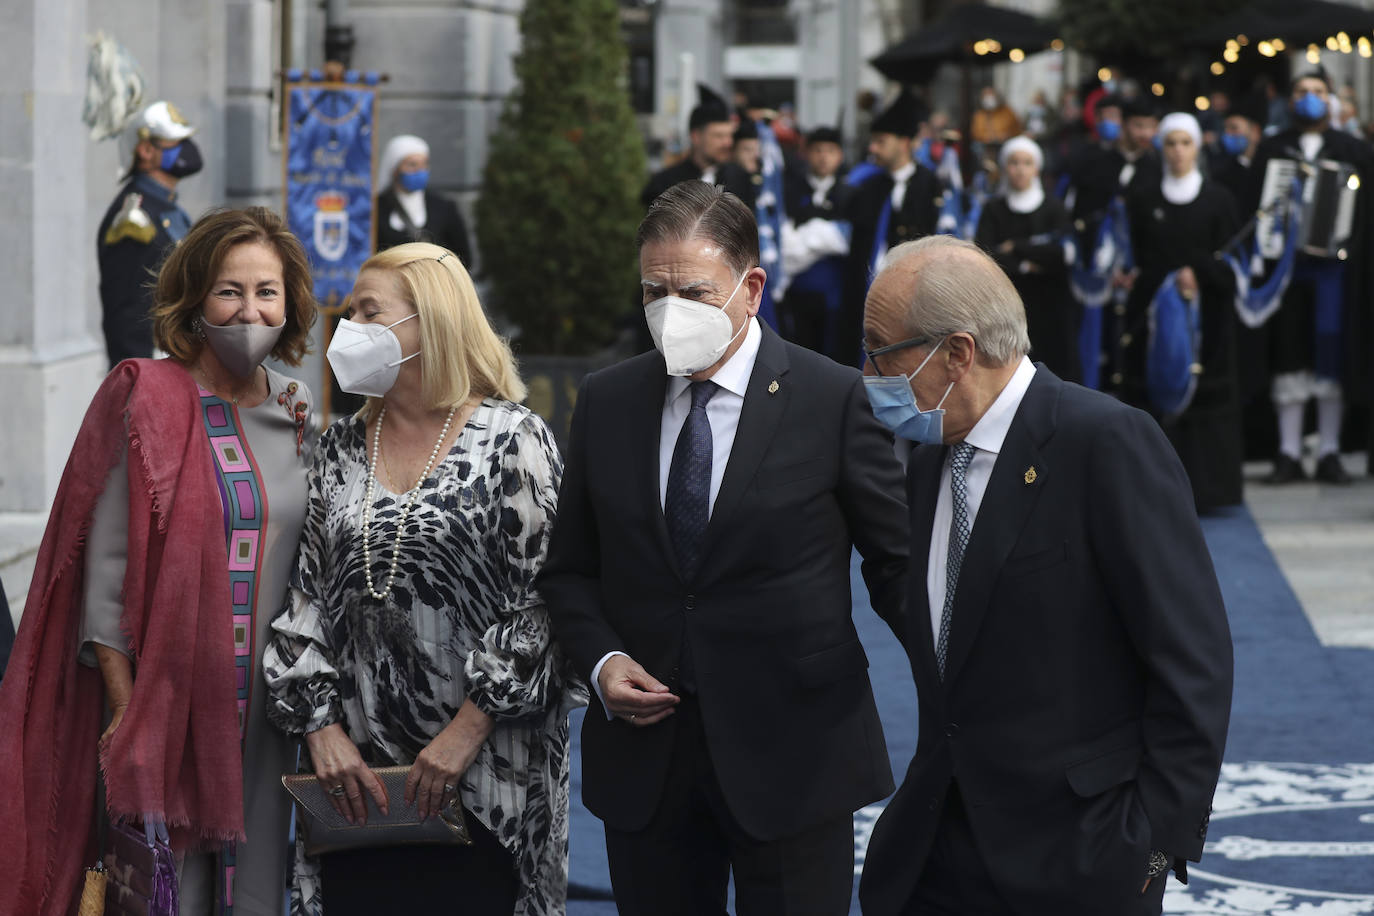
142,880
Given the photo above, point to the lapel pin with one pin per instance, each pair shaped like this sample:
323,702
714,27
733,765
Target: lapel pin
1030,475
773,387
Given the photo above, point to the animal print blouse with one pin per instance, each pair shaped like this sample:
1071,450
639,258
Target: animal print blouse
462,621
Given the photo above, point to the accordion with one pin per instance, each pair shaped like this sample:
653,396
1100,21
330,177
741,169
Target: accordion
1325,207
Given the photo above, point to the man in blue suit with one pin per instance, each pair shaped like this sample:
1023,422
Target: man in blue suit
1066,632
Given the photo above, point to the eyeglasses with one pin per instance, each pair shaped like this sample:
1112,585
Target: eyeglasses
890,348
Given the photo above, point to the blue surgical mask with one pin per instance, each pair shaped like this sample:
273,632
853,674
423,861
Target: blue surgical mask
894,404
415,181
1311,107
1109,130
1235,144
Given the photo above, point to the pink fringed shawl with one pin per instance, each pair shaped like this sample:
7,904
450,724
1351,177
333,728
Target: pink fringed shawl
176,754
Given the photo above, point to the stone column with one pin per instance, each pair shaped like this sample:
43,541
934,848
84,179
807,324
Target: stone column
50,361
690,26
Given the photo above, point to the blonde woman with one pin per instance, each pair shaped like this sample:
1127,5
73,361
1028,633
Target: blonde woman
412,634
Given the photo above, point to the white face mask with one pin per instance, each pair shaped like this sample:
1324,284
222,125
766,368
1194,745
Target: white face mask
691,335
366,358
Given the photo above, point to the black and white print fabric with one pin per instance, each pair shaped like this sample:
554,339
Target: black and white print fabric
462,621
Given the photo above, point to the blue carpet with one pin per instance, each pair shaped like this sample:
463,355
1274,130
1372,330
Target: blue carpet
1294,827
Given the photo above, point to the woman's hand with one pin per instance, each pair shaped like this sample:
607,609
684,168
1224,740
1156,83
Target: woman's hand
116,715
435,773
340,769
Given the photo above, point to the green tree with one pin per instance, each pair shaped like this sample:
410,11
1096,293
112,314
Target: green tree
559,204
1137,30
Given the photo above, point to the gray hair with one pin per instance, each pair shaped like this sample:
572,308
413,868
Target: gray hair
956,287
696,210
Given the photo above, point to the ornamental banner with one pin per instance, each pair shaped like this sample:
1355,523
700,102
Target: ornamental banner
329,151
329,160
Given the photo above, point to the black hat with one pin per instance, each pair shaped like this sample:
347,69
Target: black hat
903,117
1318,73
1252,106
825,135
1139,107
747,129
711,109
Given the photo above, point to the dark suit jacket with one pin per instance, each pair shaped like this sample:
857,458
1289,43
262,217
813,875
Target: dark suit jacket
1088,682
781,676
443,225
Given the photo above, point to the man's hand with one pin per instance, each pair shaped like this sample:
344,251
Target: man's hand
1187,283
633,694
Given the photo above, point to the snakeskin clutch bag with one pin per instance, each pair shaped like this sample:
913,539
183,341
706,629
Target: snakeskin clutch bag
325,830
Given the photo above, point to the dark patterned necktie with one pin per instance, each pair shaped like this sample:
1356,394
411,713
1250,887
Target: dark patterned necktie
959,528
687,505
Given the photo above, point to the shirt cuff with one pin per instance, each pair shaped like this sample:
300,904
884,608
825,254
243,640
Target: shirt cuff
596,680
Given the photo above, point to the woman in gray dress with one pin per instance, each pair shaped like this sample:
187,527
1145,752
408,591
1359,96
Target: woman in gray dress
236,290
413,635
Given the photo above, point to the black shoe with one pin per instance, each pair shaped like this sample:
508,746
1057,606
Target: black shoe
1330,470
1286,470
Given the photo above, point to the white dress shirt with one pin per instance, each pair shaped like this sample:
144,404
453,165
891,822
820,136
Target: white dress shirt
986,437
722,412
900,178
1311,144
820,187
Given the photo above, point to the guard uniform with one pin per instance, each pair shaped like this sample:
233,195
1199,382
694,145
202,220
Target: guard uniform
139,229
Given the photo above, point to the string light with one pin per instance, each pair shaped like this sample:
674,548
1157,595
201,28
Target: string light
1266,49
1314,54
1017,55
1231,56
1332,44
1057,44
1232,44
994,46
1104,74
1279,44
1242,40
1366,50
1157,88
980,48
1218,68
1202,102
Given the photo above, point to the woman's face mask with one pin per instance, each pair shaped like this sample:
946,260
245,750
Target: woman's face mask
366,358
692,336
894,404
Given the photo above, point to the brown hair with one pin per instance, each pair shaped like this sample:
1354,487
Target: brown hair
190,270
696,210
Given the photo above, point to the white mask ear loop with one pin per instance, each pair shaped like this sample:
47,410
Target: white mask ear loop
392,325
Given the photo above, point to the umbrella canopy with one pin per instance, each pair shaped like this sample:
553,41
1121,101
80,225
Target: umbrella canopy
969,33
1308,22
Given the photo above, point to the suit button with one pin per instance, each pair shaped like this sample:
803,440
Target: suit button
935,803
951,730
690,602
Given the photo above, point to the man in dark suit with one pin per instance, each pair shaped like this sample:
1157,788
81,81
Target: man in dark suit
711,130
900,202
1066,632
698,577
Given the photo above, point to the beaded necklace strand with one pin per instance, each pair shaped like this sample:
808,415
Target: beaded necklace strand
411,496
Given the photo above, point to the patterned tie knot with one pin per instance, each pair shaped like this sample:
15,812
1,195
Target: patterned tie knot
702,392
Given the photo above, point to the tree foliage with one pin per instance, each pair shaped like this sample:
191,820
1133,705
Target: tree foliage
559,206
1137,29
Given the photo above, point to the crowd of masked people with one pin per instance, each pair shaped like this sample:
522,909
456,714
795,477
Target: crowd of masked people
1128,231
266,668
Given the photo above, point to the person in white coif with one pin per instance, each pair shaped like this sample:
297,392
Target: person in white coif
408,210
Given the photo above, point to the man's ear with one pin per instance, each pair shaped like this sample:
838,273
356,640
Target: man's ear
962,351
754,283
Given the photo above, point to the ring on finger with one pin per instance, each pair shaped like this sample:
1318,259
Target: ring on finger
337,791
450,788
633,717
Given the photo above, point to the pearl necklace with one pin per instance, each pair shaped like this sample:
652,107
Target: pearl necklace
411,496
